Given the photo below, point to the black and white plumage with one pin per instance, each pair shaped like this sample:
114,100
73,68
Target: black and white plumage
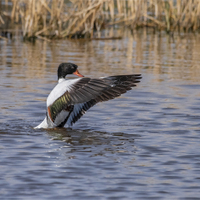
70,99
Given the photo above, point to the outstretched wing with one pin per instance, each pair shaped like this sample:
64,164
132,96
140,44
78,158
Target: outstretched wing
116,85
71,92
71,99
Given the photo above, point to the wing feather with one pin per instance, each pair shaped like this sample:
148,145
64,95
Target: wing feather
79,110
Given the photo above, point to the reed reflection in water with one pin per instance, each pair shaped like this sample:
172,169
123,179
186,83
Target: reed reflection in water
157,52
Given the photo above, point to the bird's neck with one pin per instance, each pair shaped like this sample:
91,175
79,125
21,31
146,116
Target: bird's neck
61,80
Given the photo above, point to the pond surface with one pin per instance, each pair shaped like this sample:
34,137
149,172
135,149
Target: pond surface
142,145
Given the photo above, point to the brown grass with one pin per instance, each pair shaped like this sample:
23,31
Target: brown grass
80,18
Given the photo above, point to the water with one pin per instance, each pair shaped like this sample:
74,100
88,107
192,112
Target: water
143,145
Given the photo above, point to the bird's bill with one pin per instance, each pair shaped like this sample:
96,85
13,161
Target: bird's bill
77,73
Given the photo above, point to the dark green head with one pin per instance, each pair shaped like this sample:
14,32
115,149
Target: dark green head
67,68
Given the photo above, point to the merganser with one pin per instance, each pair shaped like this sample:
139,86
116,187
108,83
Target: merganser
71,98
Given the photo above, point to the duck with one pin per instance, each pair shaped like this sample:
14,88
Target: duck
71,98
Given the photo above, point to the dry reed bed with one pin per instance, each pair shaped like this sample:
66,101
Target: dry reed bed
80,18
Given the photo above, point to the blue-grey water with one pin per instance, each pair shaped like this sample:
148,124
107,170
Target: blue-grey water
142,145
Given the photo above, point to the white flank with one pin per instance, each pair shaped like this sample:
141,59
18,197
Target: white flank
60,89
61,117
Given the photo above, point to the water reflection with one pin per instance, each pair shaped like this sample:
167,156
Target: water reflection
142,145
157,53
95,142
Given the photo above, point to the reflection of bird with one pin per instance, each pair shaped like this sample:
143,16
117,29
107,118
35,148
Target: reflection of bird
70,99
